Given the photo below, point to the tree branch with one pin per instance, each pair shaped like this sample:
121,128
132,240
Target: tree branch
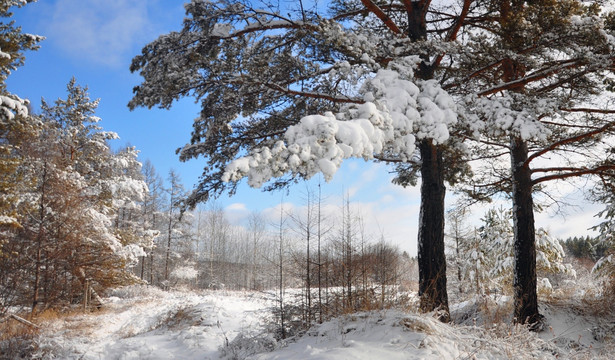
395,161
537,75
313,95
475,74
272,25
452,35
574,172
569,140
389,7
589,110
373,8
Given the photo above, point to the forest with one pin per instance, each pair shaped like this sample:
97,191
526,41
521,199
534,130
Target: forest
488,99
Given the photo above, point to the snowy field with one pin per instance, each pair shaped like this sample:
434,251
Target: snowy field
147,323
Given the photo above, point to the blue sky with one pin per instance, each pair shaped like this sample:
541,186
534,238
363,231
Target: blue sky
95,40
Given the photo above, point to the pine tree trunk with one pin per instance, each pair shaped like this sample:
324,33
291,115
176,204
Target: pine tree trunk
525,298
431,258
37,279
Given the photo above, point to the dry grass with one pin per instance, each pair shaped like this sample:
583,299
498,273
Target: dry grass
16,339
11,328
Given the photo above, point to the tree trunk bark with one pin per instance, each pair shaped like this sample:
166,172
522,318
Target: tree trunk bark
87,284
39,243
431,258
525,297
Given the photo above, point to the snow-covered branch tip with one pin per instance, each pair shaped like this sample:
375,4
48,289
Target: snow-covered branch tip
395,114
13,105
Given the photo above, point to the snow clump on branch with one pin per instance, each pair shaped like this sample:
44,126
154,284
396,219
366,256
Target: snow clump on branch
13,105
396,112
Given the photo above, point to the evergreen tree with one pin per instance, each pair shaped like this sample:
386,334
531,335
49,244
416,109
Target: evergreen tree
16,126
371,70
538,77
493,257
605,265
73,236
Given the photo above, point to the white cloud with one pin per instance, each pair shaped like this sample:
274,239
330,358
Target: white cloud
237,213
236,207
272,214
106,32
397,224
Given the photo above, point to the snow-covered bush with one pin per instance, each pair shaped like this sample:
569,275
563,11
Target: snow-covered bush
490,254
136,292
184,273
244,346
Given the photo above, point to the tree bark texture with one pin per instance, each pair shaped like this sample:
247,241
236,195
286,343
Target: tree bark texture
431,258
525,297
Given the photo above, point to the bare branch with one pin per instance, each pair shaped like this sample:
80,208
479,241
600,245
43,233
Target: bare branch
569,140
589,110
372,7
598,170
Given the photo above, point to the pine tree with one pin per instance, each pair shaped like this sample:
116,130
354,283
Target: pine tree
605,264
73,236
16,126
370,70
537,80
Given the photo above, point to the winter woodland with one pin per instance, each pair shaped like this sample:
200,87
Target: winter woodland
492,100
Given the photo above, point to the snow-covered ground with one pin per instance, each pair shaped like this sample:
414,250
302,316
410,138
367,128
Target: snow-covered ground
147,323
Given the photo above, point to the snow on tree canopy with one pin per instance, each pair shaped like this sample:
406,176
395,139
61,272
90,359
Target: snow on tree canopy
510,114
396,112
10,106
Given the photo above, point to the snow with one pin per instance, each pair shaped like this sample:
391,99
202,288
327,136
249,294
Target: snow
185,273
4,55
603,262
7,220
504,117
221,30
398,110
147,323
11,106
140,322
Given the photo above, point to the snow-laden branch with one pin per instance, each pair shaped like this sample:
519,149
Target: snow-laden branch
226,31
13,105
509,114
396,112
